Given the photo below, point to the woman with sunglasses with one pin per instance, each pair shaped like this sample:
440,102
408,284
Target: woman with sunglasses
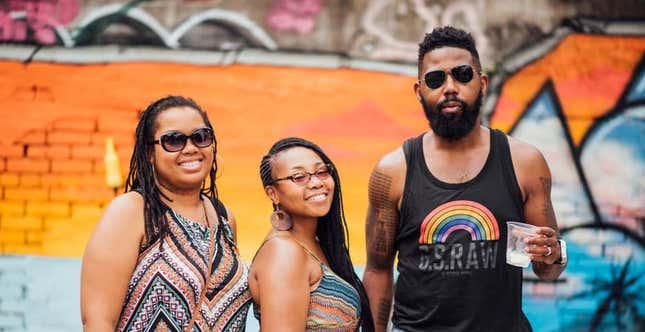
302,278
163,256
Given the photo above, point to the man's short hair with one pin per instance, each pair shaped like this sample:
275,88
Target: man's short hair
451,37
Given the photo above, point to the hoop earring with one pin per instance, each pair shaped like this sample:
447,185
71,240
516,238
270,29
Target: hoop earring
280,220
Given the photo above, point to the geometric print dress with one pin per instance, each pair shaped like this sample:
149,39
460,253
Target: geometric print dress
168,280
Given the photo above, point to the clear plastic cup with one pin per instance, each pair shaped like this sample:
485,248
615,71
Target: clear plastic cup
515,246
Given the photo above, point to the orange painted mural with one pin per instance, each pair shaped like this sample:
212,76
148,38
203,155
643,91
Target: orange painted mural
57,118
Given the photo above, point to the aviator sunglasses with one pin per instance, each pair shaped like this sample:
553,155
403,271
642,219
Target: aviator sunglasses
303,177
436,78
174,141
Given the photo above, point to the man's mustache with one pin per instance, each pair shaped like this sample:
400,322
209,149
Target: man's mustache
449,99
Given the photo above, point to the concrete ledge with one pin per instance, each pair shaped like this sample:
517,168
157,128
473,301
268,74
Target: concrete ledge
118,54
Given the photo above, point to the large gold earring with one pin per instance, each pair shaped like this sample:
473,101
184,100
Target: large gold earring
280,220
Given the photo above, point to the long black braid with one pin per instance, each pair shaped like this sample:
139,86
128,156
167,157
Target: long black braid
332,229
141,177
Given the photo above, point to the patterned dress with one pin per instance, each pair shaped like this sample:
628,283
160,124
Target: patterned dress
167,282
333,306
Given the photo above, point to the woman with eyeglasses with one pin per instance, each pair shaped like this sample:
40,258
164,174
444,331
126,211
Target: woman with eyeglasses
163,256
302,278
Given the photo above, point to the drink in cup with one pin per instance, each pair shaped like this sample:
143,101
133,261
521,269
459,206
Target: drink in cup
515,245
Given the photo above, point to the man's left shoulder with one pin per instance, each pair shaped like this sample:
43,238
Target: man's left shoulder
524,153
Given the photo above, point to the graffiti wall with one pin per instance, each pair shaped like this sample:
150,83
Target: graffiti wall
368,29
581,104
38,21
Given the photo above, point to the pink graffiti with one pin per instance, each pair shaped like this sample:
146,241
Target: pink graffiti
36,20
294,15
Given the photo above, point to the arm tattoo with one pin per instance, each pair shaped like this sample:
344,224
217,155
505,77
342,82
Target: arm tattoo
547,207
383,315
383,220
379,191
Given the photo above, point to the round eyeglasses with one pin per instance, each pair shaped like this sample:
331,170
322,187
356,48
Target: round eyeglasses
301,178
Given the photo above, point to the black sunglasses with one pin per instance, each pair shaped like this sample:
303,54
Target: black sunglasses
174,141
303,177
436,78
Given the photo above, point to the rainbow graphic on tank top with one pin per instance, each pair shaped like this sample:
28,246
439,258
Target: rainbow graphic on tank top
450,217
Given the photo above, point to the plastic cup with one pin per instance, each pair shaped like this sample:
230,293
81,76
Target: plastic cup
515,246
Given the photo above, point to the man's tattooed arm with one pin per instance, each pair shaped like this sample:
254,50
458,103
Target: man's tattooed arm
381,229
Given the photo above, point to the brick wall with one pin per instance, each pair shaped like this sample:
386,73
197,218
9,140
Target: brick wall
57,116
52,183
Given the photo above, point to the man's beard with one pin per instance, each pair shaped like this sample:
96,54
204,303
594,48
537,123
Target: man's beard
456,125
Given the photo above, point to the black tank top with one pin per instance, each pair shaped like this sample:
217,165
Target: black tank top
451,240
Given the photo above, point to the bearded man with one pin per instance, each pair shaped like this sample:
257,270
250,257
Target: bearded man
442,201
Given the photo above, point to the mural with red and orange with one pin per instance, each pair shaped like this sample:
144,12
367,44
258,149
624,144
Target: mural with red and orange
56,119
581,104
589,74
